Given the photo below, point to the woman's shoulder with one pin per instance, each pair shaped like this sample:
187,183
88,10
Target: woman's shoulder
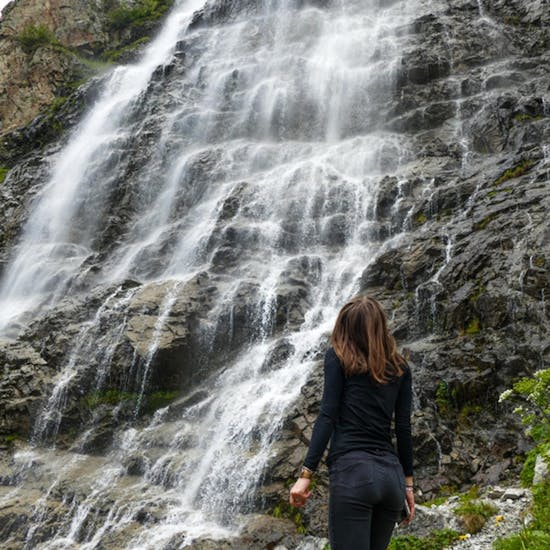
332,359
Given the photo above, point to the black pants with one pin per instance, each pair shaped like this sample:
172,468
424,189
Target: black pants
367,492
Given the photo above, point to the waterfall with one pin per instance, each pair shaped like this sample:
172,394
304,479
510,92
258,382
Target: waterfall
248,148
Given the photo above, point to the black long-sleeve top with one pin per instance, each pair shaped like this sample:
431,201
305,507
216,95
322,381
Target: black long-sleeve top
357,412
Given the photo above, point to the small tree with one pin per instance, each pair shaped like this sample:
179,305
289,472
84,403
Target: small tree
533,394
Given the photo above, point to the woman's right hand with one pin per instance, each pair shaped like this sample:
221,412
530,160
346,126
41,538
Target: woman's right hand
299,493
409,497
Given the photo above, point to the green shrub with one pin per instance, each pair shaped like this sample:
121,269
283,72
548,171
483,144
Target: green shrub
144,10
534,395
528,470
437,540
33,36
285,510
474,514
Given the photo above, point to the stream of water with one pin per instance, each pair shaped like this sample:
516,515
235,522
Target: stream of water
277,110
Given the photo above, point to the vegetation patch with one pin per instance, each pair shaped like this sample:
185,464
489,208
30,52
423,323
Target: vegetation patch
3,173
33,37
537,535
473,327
533,394
10,439
437,540
285,510
515,172
137,14
158,400
474,514
467,414
495,192
445,397
420,218
119,54
484,222
150,402
539,261
109,397
525,117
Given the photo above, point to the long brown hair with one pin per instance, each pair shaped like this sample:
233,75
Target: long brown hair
363,343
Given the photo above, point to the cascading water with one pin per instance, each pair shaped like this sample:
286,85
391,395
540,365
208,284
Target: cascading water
275,118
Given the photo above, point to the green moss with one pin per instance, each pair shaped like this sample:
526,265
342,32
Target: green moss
473,327
137,14
108,397
117,54
420,218
524,117
484,222
437,540
443,398
538,261
150,402
495,192
515,172
480,290
3,173
33,37
10,439
95,65
158,400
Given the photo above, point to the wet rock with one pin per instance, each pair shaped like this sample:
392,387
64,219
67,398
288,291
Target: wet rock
24,376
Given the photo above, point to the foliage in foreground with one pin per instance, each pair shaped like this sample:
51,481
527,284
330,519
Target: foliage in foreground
534,410
474,513
435,541
537,535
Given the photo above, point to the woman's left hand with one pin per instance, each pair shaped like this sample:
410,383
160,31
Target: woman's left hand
299,493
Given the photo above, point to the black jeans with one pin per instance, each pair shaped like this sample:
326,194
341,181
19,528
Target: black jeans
367,492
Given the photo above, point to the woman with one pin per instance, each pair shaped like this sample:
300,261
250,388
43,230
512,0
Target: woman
367,382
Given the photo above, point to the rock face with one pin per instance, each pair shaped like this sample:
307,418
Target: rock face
47,49
33,75
459,245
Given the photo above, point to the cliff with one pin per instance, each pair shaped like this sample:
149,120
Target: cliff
209,239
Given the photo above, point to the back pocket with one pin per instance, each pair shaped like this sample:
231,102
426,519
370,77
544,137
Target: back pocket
352,472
